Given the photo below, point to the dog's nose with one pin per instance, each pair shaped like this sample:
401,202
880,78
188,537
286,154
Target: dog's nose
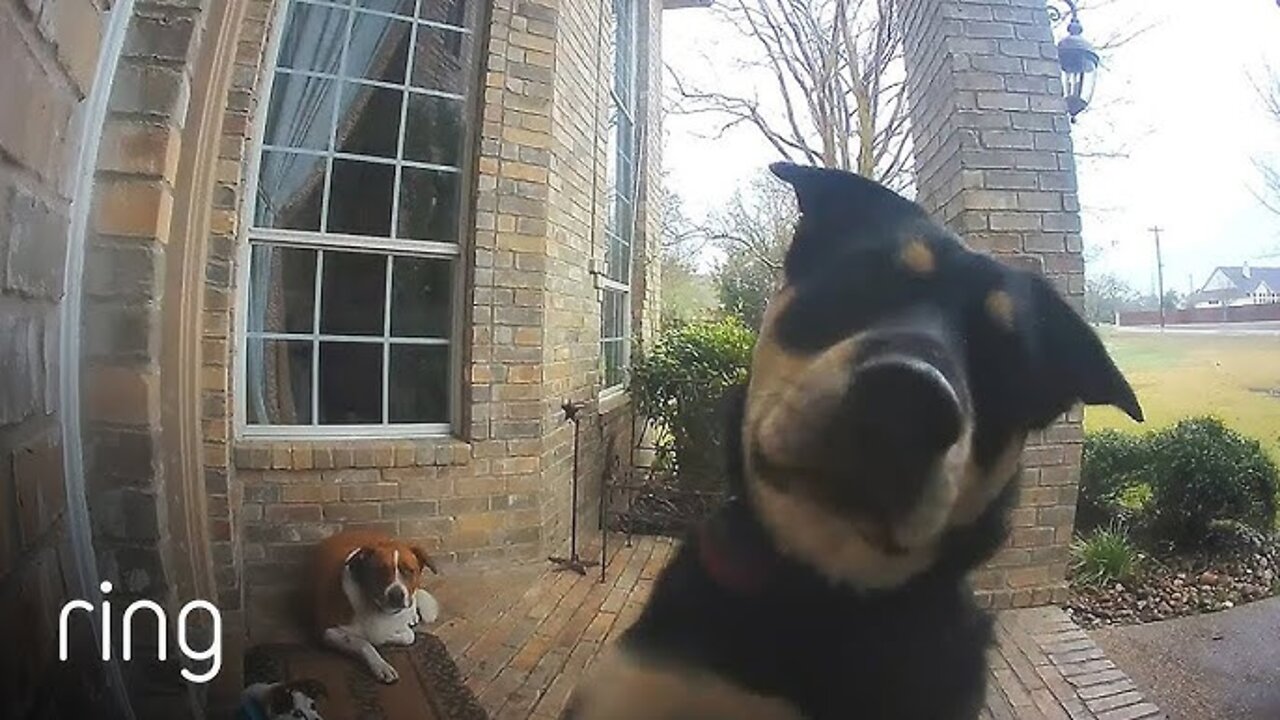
901,404
395,596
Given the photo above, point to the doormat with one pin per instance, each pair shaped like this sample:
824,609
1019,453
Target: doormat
430,686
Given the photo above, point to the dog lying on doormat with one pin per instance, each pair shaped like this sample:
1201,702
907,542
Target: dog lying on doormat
873,458
366,591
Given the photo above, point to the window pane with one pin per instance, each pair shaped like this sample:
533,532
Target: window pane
441,60
612,150
290,191
624,55
360,198
419,380
369,120
618,258
398,7
301,112
278,385
353,293
613,315
313,38
379,48
421,290
614,366
606,313
350,383
433,130
458,13
428,205
281,289
362,89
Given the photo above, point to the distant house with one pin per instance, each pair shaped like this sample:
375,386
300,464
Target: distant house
1237,286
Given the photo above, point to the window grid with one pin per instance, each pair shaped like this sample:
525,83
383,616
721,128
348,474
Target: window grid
317,301
416,16
393,246
343,155
374,82
345,78
330,146
615,312
316,339
386,345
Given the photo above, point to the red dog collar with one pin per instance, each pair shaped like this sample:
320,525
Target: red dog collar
730,565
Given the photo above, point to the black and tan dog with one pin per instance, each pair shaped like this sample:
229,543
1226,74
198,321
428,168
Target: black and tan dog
894,384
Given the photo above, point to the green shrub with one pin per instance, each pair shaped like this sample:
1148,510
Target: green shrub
1112,481
680,385
1201,471
1105,556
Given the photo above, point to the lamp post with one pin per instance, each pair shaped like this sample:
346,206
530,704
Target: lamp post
1078,58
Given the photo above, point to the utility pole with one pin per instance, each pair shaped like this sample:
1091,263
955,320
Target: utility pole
1155,231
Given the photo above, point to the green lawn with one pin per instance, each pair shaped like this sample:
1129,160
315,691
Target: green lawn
1179,375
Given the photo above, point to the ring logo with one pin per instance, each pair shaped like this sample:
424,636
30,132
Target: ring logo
212,653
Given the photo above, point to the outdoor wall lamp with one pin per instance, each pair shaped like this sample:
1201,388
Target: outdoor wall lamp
1077,57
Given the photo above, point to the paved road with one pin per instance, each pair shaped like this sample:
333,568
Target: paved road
1223,666
1251,328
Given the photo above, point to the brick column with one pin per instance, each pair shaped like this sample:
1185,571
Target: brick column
994,162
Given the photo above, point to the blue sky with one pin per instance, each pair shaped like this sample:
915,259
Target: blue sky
1178,101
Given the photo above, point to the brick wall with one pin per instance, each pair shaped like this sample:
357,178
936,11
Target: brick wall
994,161
48,52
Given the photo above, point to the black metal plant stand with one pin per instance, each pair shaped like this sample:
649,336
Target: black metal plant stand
604,524
573,562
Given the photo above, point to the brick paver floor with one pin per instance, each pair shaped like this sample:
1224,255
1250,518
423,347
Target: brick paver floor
522,638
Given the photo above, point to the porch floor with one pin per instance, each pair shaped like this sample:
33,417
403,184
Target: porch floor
523,637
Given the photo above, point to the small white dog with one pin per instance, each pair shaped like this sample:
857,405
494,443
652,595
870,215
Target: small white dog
367,590
291,700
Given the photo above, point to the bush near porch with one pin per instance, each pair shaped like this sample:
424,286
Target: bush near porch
681,388
1177,521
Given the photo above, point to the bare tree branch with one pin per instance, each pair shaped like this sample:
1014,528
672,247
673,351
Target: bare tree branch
1268,165
834,95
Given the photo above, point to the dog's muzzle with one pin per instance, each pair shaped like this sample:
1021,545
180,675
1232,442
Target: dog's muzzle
900,416
867,431
901,403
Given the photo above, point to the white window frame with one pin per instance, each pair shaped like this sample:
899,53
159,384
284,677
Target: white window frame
389,247
626,233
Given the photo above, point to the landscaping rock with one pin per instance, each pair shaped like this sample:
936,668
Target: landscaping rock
1237,570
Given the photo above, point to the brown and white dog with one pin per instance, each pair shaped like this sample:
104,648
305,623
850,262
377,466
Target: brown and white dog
367,590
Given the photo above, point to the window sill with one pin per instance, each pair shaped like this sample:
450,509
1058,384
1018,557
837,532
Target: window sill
331,454
612,400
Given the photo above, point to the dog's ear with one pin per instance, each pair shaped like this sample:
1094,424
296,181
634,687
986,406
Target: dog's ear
279,699
308,686
822,191
1070,362
424,558
839,208
360,558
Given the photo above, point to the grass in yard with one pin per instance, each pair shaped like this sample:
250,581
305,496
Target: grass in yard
1236,378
